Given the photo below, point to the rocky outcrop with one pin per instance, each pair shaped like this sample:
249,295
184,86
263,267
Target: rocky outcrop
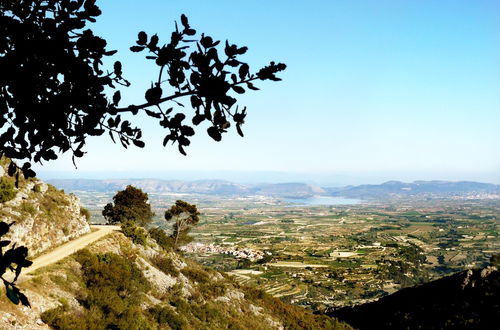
43,216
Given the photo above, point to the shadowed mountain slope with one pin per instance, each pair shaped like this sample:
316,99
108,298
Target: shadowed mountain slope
466,300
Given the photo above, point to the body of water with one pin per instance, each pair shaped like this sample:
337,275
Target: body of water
322,200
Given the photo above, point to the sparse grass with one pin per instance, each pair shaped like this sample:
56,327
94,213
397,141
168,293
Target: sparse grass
27,207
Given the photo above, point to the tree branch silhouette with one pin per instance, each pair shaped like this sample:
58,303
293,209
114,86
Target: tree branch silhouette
54,91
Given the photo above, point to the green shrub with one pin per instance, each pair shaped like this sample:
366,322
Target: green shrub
196,275
166,315
84,212
112,296
7,190
61,318
138,235
212,289
27,207
37,188
161,238
165,265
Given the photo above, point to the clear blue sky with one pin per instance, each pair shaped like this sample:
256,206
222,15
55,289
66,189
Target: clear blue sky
374,89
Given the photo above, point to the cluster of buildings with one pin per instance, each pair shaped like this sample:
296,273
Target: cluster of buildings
241,253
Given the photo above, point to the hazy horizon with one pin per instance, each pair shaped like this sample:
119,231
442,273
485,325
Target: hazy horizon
255,177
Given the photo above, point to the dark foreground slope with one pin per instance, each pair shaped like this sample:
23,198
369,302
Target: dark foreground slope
466,300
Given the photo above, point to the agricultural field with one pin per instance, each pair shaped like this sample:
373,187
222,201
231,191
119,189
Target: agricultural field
337,255
329,256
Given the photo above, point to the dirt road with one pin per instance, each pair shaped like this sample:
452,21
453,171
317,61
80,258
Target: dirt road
69,248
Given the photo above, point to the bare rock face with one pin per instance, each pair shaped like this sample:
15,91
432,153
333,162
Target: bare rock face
43,216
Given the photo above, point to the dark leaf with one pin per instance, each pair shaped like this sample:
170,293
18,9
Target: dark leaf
78,153
184,21
153,114
12,168
214,133
183,141
24,299
153,94
206,41
4,228
242,50
233,63
117,67
181,150
243,71
112,137
12,294
197,119
136,49
153,42
195,101
116,97
111,52
238,129
187,130
29,173
238,89
142,38
251,86
4,243
138,143
166,139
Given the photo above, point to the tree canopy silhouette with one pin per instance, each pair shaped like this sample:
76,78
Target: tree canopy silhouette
55,92
130,204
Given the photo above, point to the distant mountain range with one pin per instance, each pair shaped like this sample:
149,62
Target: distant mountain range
397,189
387,190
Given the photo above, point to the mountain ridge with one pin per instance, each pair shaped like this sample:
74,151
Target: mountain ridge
386,190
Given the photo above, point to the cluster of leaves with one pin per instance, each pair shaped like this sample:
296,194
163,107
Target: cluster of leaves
130,204
111,299
185,215
137,234
202,75
13,256
7,191
54,89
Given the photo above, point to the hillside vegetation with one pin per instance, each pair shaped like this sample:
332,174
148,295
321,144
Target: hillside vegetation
118,284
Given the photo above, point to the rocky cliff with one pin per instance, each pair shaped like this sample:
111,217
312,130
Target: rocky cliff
44,216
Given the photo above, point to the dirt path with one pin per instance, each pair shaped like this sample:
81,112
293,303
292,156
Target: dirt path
68,248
